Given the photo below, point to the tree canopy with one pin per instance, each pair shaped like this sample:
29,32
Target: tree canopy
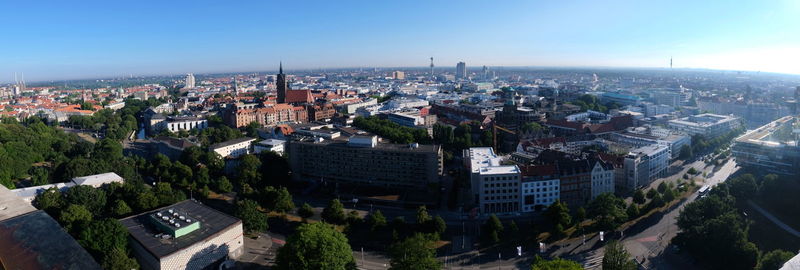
415,252
316,246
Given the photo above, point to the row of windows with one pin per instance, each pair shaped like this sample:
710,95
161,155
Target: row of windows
487,198
500,185
499,191
531,190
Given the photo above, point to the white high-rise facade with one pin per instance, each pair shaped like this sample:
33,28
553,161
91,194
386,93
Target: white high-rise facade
189,81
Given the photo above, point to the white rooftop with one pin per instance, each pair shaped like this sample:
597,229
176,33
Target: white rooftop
97,179
12,205
484,161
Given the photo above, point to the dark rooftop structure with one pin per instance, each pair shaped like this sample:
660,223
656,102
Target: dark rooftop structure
160,243
36,241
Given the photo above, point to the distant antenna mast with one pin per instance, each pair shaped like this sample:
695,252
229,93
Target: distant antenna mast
670,62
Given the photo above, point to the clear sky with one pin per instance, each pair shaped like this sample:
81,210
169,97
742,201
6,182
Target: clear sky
86,39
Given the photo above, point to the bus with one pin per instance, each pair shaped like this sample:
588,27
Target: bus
703,190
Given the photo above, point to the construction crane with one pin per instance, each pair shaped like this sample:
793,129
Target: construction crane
495,127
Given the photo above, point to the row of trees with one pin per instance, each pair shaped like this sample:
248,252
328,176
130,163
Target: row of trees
713,231
392,131
462,137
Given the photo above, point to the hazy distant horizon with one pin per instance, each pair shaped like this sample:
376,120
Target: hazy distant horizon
421,68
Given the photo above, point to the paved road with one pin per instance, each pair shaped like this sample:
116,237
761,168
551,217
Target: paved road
648,240
774,219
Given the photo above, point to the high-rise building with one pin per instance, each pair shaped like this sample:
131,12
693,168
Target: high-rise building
189,82
486,73
461,71
398,75
280,84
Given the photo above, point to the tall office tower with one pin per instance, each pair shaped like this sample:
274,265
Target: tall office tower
189,82
461,70
235,88
280,84
432,68
485,73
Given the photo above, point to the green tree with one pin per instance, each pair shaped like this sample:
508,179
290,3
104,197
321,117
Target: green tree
491,230
651,193
74,217
224,185
422,215
512,233
93,199
669,195
50,201
305,211
743,187
580,215
334,212
120,209
254,221
438,224
376,220
608,210
102,236
638,197
774,260
656,202
632,211
662,187
315,246
145,200
415,252
165,194
617,258
248,170
117,259
558,213
554,264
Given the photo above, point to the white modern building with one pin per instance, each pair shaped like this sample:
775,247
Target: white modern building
495,187
643,165
273,145
707,125
233,148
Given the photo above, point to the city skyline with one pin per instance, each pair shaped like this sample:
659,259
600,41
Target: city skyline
94,40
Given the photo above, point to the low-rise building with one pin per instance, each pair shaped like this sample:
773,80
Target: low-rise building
273,145
772,148
28,194
233,148
178,123
185,235
647,135
495,187
707,125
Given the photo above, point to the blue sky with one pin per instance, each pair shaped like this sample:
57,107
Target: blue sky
86,39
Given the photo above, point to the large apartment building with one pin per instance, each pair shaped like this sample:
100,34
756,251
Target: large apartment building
240,116
363,160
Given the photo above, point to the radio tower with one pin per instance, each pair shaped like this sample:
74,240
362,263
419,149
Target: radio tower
431,68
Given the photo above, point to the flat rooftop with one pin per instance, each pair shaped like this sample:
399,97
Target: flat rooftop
36,241
12,205
761,134
212,222
483,160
